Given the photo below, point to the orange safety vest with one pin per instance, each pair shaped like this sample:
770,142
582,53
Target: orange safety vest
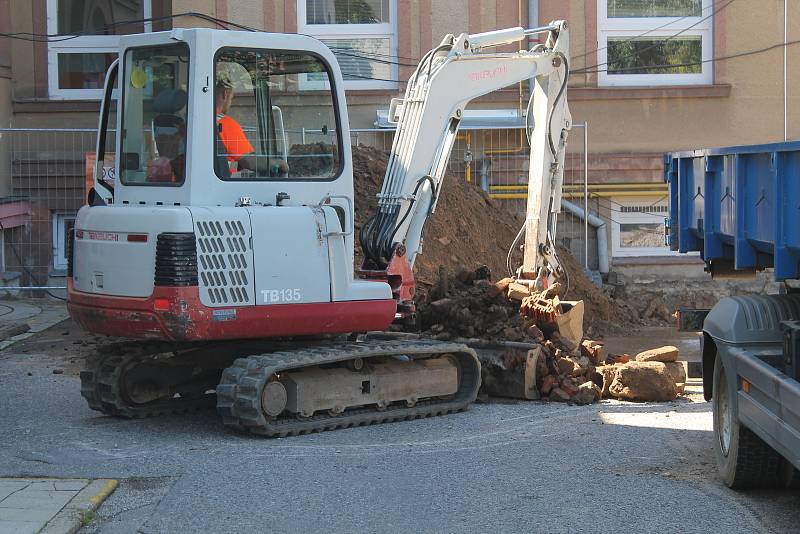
233,138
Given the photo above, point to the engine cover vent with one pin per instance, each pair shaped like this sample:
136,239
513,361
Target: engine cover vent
176,260
225,261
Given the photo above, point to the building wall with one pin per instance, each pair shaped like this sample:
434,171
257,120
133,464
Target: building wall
744,106
745,102
629,127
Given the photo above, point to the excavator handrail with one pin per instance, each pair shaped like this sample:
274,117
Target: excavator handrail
348,229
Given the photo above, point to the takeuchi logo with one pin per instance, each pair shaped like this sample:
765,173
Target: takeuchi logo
487,74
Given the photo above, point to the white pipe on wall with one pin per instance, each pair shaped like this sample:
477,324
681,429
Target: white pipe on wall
600,226
533,22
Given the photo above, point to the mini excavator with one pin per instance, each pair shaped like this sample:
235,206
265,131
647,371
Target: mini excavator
232,259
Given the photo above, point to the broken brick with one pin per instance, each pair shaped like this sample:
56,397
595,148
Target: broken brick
565,366
613,359
547,384
593,350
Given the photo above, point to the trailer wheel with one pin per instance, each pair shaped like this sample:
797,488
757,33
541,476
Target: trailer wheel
744,460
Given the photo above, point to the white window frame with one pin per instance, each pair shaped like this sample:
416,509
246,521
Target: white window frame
619,217
635,26
59,242
84,44
354,31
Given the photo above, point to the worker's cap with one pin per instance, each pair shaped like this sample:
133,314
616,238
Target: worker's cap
224,79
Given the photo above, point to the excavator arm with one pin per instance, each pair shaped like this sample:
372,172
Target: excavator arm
428,118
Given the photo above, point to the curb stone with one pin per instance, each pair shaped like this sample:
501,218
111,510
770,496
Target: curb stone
70,519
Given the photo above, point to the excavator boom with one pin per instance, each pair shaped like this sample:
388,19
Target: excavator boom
447,79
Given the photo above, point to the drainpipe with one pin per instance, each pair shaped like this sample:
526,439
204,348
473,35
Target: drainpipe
485,164
600,226
785,77
533,22
533,14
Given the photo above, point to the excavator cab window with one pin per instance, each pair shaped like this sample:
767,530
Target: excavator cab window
153,146
273,121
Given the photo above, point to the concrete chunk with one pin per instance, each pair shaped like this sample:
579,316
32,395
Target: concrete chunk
518,291
678,372
588,393
643,381
661,354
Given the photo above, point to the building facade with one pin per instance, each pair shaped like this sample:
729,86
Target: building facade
647,76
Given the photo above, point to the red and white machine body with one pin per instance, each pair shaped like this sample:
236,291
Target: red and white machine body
215,252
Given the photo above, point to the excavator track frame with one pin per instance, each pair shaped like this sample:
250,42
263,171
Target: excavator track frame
103,384
239,394
103,380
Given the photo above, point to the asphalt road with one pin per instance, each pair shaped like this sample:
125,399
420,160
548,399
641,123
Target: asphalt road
517,467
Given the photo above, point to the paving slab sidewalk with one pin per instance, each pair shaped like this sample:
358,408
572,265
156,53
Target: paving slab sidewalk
50,505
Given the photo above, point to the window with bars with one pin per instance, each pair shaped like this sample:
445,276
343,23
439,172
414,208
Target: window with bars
638,226
361,33
655,42
645,209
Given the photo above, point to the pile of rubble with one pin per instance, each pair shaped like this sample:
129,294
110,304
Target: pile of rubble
467,230
533,341
539,350
655,375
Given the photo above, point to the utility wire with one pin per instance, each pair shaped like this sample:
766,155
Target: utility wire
98,31
661,41
651,30
225,24
695,63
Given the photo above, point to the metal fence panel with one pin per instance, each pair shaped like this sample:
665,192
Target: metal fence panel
44,174
44,186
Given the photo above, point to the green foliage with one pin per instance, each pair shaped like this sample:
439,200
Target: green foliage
87,517
640,56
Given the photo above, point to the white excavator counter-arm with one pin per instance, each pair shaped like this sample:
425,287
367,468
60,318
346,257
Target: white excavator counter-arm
428,117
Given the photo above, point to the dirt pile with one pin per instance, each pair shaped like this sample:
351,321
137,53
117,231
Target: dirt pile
550,353
467,230
470,230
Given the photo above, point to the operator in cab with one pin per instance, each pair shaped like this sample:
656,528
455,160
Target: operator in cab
236,147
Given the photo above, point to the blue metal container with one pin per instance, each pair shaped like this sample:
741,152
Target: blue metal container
738,206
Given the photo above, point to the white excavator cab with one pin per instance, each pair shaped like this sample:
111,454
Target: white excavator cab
284,90
233,148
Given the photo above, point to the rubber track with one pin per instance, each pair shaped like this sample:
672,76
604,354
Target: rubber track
100,383
239,391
